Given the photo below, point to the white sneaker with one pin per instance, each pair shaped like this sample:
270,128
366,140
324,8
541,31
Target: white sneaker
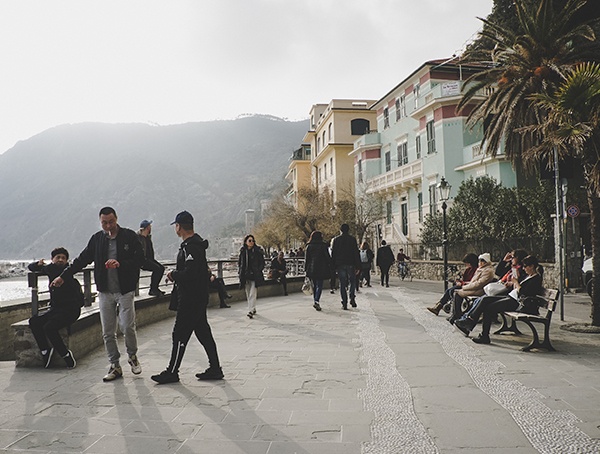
113,373
136,368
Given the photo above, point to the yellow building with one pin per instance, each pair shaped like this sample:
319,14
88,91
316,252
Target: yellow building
334,128
299,173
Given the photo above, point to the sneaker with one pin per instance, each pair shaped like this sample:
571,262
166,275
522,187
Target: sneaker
344,306
165,377
70,360
113,373
228,296
136,368
352,303
482,340
47,358
254,311
317,306
250,314
156,292
212,373
224,306
466,325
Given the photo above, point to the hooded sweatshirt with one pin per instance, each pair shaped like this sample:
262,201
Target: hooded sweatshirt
190,276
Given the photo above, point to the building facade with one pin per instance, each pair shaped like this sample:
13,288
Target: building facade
421,138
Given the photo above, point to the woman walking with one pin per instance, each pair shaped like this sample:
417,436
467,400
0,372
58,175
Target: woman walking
250,268
318,265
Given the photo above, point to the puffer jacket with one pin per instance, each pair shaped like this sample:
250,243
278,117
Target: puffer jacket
483,276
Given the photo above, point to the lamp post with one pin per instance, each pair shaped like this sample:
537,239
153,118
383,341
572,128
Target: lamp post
444,188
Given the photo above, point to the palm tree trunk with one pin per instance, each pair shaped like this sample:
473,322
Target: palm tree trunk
594,202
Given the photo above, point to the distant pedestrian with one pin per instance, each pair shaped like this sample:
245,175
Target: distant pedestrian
251,263
150,263
346,259
190,299
279,271
385,260
366,262
117,255
65,308
318,265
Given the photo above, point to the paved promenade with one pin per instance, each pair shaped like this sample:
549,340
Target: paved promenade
387,377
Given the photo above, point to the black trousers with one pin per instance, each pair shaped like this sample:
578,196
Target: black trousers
219,285
385,275
45,328
157,272
188,321
493,309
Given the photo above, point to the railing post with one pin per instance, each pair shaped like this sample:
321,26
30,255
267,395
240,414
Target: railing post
87,287
220,269
32,281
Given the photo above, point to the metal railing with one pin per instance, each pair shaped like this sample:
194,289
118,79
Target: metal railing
225,269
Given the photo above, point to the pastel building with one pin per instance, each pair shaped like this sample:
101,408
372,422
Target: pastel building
420,138
334,128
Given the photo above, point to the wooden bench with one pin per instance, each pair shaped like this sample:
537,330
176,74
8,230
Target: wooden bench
550,296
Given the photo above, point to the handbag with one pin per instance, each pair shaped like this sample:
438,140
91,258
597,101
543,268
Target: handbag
272,274
307,287
495,289
530,305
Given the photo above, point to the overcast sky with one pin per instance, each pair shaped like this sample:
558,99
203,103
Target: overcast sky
176,61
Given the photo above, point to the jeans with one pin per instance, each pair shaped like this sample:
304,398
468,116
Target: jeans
115,306
251,295
157,273
346,275
317,289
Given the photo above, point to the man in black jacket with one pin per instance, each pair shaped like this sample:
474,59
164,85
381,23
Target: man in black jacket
346,260
150,263
117,255
190,298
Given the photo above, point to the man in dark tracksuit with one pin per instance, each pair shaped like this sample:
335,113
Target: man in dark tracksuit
190,298
346,259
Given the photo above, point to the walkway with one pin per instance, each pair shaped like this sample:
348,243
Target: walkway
388,377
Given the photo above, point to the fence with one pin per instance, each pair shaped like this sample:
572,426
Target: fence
225,269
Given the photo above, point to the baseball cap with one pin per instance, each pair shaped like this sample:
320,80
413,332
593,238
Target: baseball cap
183,218
145,223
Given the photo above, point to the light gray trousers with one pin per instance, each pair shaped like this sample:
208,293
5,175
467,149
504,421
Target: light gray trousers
113,307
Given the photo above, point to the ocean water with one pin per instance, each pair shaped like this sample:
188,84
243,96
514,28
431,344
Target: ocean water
13,288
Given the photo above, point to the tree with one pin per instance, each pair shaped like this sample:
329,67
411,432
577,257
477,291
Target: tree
526,61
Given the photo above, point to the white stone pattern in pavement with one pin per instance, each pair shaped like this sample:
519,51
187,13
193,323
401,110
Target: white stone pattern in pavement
549,431
395,428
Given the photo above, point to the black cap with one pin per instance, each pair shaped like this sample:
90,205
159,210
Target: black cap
145,223
183,218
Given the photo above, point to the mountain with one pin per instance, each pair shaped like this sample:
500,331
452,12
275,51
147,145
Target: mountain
53,184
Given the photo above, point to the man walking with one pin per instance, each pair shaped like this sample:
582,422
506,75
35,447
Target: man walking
117,256
346,260
190,298
150,263
385,260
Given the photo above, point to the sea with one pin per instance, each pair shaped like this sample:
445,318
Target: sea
13,280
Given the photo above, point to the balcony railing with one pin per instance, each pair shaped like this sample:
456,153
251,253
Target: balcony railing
407,175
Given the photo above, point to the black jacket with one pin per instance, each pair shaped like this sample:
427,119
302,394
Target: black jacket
191,275
67,297
129,255
344,251
251,263
318,261
147,247
385,257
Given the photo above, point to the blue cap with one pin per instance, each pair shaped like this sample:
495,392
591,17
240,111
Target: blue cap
183,218
145,223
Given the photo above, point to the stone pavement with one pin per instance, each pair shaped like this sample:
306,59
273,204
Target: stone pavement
387,377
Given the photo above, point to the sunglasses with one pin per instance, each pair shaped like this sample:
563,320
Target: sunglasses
250,240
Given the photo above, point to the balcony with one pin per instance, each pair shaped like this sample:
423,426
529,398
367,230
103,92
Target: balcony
407,176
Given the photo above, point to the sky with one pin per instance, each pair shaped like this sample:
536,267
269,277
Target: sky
178,61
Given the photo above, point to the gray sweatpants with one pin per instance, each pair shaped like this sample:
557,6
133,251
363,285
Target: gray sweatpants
113,306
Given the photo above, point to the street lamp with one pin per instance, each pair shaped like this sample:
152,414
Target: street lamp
444,188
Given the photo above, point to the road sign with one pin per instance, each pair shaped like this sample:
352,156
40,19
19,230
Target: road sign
573,211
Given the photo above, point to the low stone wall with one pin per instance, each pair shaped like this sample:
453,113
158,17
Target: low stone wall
86,333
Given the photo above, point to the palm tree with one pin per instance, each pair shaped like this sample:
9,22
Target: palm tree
530,60
572,127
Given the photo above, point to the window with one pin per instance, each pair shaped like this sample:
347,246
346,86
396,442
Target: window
400,107
330,166
386,118
398,114
324,142
325,171
430,137
420,206
418,146
320,178
318,144
359,126
432,200
402,150
329,132
404,215
388,212
388,161
360,175
416,92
